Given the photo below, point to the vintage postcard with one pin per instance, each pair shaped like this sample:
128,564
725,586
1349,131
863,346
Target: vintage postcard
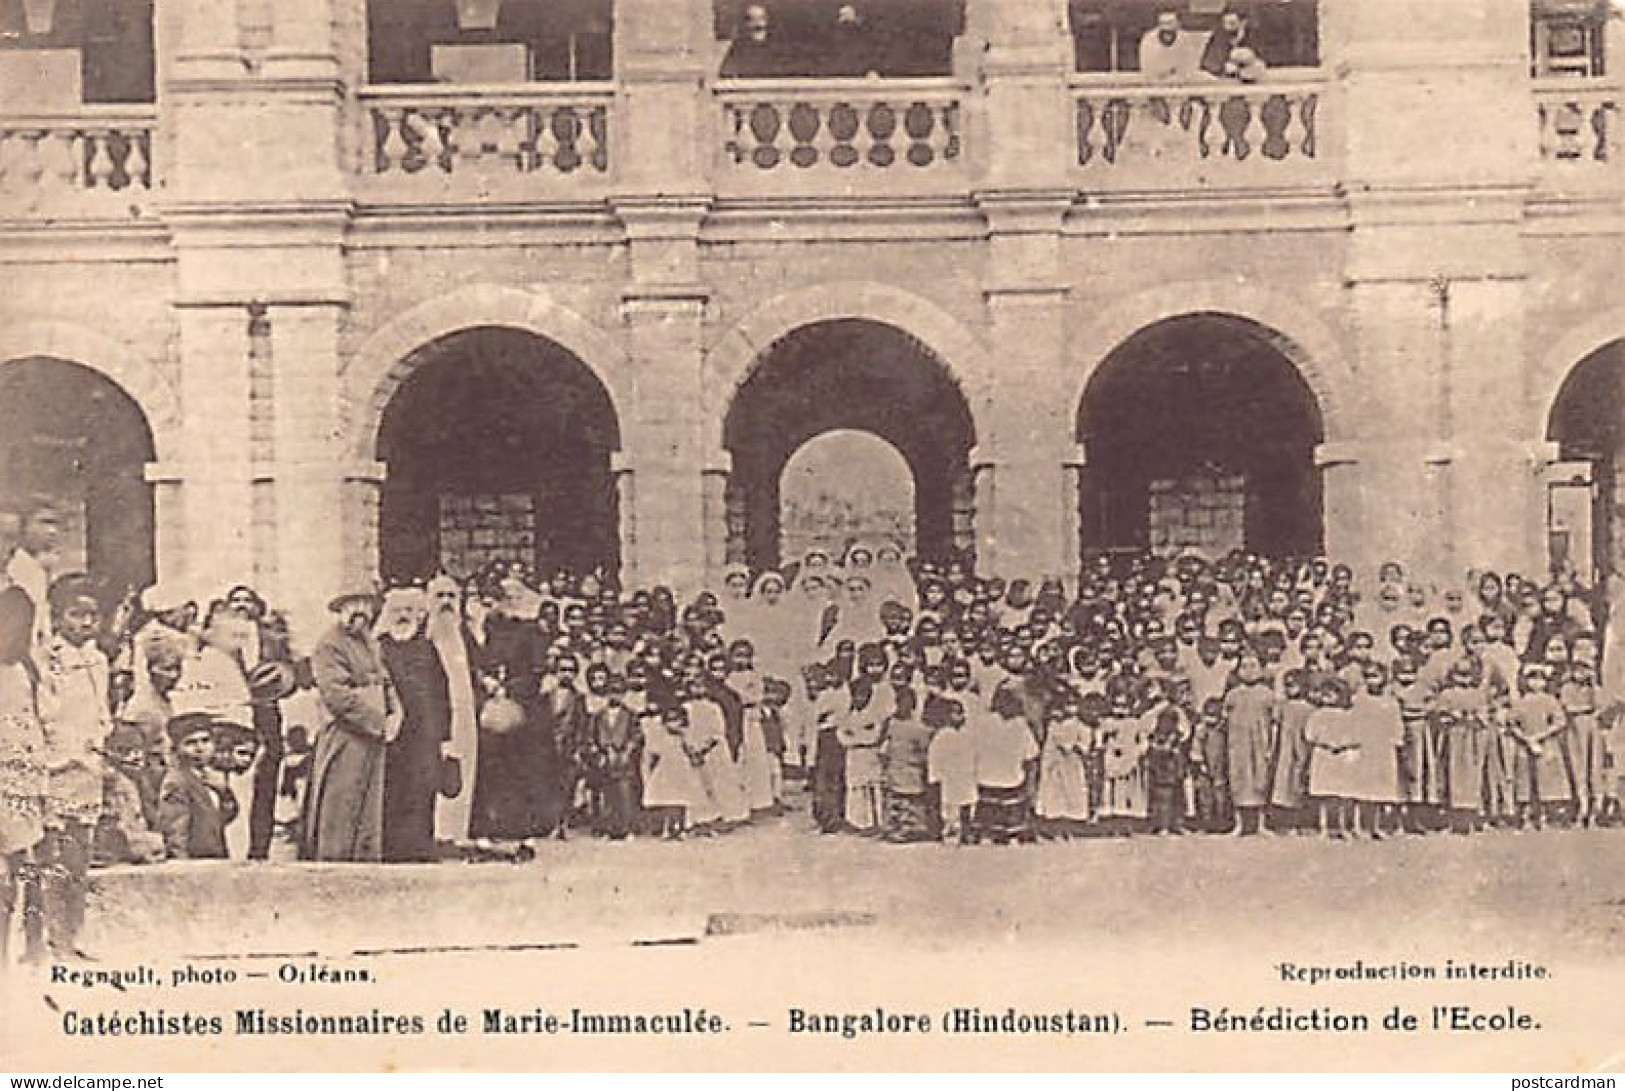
797,535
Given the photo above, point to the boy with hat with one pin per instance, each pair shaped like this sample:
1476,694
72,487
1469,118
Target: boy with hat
190,817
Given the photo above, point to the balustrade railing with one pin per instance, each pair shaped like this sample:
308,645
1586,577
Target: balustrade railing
1171,136
1579,127
486,142
96,159
817,134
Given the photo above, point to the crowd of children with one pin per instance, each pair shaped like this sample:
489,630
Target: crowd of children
914,702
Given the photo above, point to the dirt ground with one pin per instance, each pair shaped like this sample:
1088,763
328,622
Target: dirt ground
776,917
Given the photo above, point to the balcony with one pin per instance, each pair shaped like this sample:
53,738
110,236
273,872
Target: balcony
92,163
841,137
446,144
1135,137
1580,147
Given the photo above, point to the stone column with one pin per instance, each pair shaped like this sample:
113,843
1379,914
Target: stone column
661,197
626,510
262,291
714,497
309,464
215,460
1439,150
168,482
1025,526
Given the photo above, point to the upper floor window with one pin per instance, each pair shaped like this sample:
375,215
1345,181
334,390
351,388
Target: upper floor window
59,54
1195,39
838,38
489,41
1566,37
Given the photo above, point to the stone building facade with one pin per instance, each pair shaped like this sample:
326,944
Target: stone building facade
1394,274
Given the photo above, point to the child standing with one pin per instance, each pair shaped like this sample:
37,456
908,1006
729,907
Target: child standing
951,766
1165,774
1209,760
1462,713
1063,784
1005,753
1543,788
1252,722
1330,732
75,721
861,735
189,811
670,781
1377,733
906,758
616,740
1123,801
1578,696
1289,783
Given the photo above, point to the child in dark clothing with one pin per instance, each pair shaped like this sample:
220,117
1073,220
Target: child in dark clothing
1209,758
1165,776
189,812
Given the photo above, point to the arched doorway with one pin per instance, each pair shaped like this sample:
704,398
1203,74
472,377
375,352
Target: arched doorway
1583,495
845,486
70,434
498,449
1199,433
849,375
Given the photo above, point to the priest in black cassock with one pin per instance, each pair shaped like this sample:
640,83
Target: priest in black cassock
412,764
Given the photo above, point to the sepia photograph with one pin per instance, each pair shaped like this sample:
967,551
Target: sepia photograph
791,535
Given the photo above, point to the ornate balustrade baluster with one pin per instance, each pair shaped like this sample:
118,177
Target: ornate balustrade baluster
100,170
547,141
136,166
392,148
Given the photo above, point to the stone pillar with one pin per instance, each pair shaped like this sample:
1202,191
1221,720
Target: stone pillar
626,510
1438,151
309,469
169,521
262,291
1025,525
363,486
714,497
1385,501
661,60
215,458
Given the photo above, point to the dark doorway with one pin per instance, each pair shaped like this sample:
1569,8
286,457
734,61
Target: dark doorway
498,448
69,433
849,374
1583,511
1200,433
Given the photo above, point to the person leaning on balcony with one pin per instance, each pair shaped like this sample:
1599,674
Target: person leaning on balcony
1166,51
1230,35
853,50
755,52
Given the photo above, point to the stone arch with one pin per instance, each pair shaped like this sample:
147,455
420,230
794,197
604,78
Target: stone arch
734,356
76,344
1560,360
1290,325
386,359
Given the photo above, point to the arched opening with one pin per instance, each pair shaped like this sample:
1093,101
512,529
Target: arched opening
70,434
1583,490
498,449
1199,433
845,486
849,375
